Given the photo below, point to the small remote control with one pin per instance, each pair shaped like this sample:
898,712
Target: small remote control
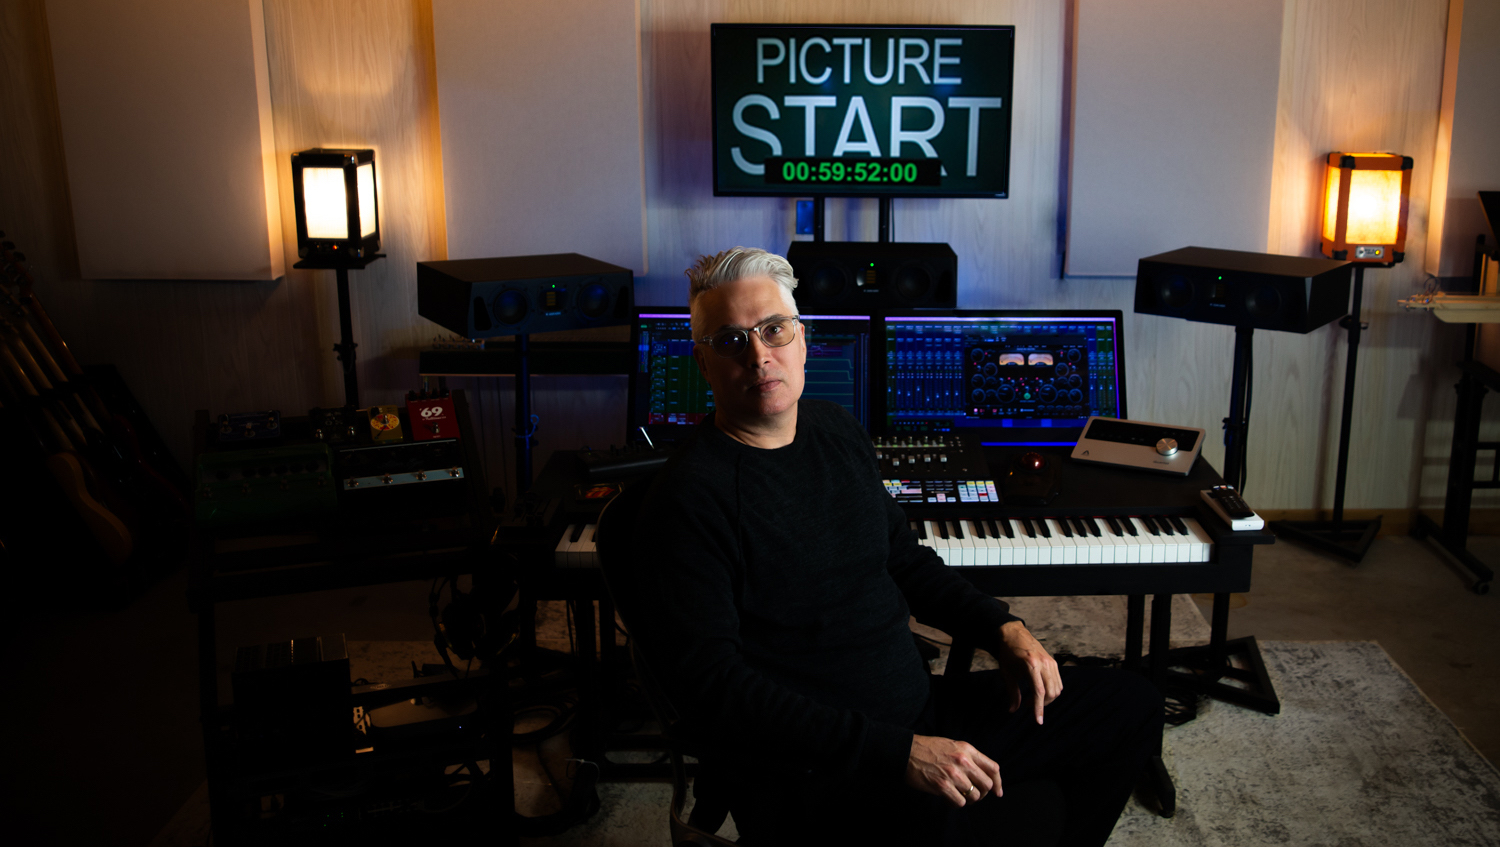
1232,508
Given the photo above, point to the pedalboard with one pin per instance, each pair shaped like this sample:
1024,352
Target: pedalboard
934,468
1164,448
248,426
234,486
372,466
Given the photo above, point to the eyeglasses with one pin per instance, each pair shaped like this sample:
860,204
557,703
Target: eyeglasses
732,341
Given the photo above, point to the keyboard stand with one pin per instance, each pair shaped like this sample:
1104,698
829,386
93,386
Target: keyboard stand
1238,660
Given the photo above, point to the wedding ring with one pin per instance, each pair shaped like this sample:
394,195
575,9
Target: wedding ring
972,788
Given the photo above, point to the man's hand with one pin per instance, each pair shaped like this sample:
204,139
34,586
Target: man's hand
951,769
1024,661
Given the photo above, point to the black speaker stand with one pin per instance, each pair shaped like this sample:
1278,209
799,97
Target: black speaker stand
1348,539
524,428
1238,660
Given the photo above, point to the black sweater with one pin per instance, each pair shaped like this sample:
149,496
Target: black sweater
778,595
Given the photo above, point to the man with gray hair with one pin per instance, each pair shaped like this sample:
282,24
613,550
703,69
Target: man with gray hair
780,582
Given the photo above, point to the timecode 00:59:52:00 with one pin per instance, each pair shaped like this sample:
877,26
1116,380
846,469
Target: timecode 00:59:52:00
786,171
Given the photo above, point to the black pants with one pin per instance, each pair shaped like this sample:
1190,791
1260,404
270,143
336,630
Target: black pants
1081,765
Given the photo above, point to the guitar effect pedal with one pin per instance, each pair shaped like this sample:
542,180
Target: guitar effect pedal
431,416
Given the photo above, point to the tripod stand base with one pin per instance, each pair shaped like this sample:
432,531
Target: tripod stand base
1211,664
1349,539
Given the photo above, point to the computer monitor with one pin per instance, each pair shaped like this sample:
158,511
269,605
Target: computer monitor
668,396
1007,377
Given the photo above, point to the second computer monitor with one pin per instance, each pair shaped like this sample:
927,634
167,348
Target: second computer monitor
1008,377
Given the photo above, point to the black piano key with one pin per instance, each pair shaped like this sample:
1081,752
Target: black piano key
958,530
1026,525
1080,527
942,528
1178,525
1041,525
1067,530
979,529
577,532
1149,524
1129,527
920,528
1005,527
1093,526
1114,526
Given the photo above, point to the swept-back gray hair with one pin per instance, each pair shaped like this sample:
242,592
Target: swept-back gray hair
710,272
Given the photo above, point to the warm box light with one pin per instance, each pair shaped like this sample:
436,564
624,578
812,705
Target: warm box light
337,204
1364,207
326,203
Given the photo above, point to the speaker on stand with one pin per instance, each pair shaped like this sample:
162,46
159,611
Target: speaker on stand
1248,291
519,295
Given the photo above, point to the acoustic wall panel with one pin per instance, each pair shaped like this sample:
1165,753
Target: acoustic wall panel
1173,129
1467,132
540,109
168,136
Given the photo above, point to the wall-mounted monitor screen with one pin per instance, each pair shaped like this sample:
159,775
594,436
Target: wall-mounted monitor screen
921,111
1009,377
668,396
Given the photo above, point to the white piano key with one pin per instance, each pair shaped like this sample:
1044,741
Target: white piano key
937,542
1062,543
1038,551
1182,545
968,554
1156,544
585,551
986,549
1132,541
1203,545
1090,548
560,554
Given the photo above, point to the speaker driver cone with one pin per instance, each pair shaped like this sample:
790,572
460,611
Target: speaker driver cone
912,282
827,283
1263,301
593,300
510,307
1176,292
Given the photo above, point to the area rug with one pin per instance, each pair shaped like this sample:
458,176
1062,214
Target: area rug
1358,755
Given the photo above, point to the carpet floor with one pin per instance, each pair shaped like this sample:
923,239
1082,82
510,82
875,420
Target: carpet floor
1358,755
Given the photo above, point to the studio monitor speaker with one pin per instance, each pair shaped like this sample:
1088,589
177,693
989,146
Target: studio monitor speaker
873,277
1257,290
520,295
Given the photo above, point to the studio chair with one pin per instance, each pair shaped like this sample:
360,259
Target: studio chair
617,559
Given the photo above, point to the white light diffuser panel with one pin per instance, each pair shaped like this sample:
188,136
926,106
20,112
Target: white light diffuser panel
1174,129
540,110
167,130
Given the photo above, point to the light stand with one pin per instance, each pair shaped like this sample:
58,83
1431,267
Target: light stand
1365,201
338,229
346,345
1349,539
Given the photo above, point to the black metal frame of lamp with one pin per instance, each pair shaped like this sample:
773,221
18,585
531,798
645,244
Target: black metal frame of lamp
1348,539
346,345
